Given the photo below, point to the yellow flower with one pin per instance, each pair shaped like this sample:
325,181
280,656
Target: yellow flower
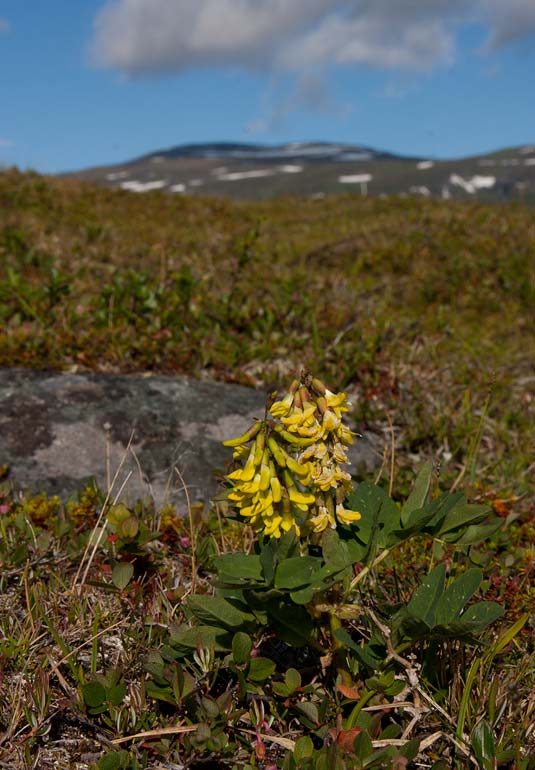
345,516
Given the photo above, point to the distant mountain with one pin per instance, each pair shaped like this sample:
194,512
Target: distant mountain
255,171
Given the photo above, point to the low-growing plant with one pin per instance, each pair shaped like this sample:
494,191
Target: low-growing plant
304,625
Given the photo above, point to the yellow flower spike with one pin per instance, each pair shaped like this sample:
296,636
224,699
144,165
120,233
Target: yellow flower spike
344,435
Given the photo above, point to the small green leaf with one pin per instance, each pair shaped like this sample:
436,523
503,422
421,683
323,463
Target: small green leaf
292,623
241,648
292,677
111,761
477,617
94,694
483,746
304,748
309,714
335,551
129,527
457,595
208,636
260,669
237,568
296,572
462,515
362,746
419,493
122,574
475,533
425,600
214,611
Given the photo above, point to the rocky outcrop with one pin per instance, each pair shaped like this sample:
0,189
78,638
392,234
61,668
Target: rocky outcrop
59,430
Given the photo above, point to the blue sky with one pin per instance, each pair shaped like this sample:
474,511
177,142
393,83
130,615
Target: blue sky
85,82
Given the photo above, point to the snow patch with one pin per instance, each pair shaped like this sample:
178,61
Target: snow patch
140,187
529,162
355,178
178,188
423,164
420,190
475,183
291,169
116,175
235,176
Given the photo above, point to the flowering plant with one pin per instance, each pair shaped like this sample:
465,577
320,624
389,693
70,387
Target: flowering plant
293,475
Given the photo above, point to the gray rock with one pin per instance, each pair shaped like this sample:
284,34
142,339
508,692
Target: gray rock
59,430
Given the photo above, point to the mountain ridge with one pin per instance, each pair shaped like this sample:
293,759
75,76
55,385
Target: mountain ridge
251,171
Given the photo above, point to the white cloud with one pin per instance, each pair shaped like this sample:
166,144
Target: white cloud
509,20
143,36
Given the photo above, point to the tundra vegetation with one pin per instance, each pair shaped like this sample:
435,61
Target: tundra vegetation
307,617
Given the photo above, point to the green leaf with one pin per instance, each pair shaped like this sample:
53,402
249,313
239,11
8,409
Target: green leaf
419,493
116,694
457,595
475,533
260,669
122,574
94,694
111,761
366,653
292,623
424,602
477,617
362,746
288,546
462,515
335,551
129,527
482,741
208,636
214,611
238,568
303,749
410,749
309,714
297,572
292,678
242,645
268,559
